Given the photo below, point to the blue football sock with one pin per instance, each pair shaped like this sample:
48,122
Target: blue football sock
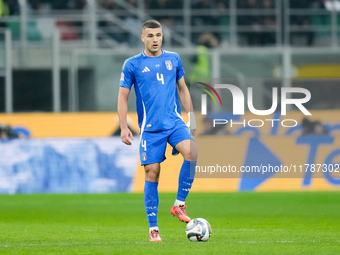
151,202
185,180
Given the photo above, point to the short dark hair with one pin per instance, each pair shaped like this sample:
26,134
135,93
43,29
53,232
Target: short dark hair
151,24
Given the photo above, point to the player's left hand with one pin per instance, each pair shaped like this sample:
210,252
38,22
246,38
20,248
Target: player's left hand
192,123
125,134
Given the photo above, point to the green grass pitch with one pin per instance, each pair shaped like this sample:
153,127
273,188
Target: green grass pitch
242,223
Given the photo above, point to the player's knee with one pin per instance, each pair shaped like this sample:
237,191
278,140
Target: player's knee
190,155
151,174
193,155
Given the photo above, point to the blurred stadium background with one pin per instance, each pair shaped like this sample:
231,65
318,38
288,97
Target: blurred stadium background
60,64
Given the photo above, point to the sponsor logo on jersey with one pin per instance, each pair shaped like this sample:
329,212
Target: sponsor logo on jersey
168,64
146,69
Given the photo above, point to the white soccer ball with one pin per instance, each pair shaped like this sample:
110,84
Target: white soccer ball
198,230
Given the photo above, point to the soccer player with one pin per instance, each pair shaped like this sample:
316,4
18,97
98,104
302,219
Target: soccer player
157,76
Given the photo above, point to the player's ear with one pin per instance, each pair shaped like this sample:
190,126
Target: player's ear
142,38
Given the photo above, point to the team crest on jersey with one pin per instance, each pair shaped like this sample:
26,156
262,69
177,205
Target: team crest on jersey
168,64
122,76
144,156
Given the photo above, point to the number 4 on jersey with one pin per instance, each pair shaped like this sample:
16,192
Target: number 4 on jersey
160,78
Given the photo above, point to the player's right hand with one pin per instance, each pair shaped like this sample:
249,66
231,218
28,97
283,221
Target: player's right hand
125,134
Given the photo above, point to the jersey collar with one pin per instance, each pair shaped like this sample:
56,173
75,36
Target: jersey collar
143,53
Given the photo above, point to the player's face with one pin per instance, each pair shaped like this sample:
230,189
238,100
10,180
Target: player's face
152,39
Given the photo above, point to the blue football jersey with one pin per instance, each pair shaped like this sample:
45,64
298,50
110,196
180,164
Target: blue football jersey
154,80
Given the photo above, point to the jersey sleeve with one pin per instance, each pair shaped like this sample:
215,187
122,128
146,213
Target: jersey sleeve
180,69
127,78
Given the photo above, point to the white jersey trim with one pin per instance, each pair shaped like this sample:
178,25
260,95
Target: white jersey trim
177,111
143,123
171,52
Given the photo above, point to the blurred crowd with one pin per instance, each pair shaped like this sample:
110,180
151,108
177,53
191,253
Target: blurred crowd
254,27
12,7
58,4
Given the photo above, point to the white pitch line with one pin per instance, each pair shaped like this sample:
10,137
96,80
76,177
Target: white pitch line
254,242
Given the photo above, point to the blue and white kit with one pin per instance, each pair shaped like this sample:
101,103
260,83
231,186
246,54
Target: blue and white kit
159,116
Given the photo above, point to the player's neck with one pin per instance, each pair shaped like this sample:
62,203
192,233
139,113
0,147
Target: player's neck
151,54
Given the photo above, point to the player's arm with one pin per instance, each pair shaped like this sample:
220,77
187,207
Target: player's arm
125,133
184,95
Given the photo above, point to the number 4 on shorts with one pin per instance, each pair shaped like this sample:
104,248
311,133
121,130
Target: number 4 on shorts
144,144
